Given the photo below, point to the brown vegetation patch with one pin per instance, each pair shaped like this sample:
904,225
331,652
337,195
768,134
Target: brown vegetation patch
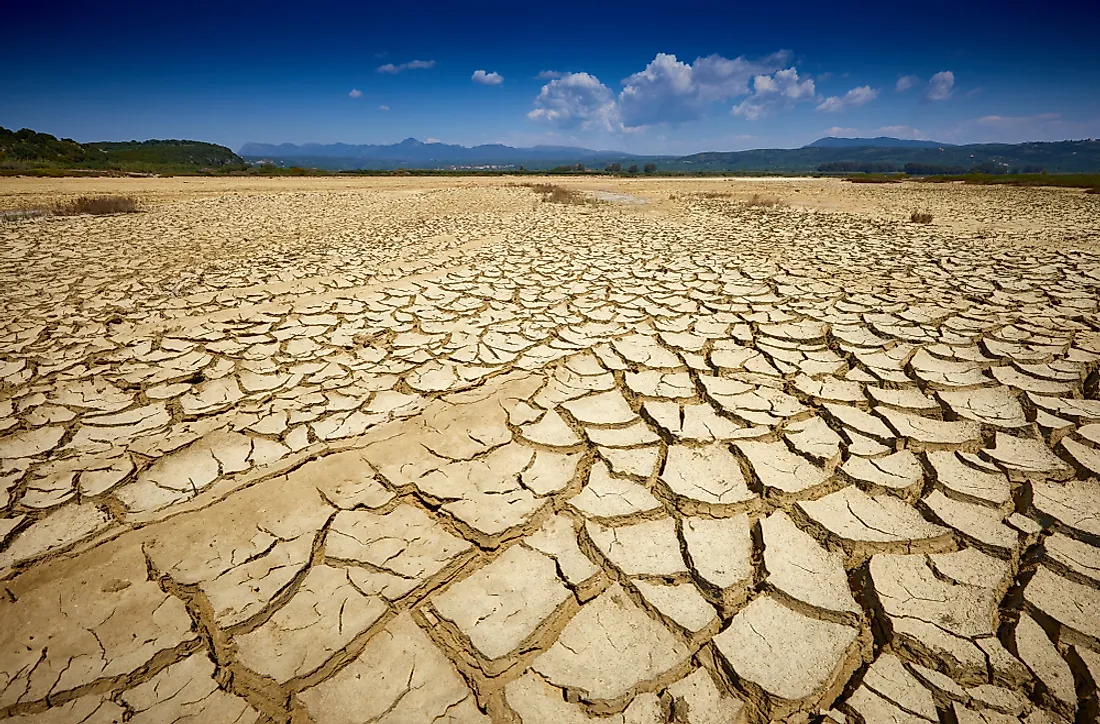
875,179
554,194
767,202
96,205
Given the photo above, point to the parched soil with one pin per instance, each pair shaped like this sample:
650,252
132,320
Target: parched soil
438,450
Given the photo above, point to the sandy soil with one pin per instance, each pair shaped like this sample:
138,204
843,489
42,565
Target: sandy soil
408,450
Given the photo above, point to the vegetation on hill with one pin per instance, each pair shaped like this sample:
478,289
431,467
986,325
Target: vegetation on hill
168,153
29,147
28,151
1052,157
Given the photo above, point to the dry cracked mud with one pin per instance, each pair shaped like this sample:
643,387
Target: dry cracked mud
435,451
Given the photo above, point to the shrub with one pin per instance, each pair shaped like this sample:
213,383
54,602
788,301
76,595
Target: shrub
857,167
768,202
875,178
97,205
552,193
920,217
12,215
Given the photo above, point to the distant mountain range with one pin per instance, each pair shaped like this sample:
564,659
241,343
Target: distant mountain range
825,155
412,153
27,150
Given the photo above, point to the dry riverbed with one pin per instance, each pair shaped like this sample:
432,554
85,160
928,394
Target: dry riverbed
415,450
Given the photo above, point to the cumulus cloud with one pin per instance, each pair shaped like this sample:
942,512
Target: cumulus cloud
1015,121
940,86
671,91
838,131
549,74
576,100
773,92
906,82
900,132
484,78
1037,127
667,90
383,108
355,93
411,65
856,97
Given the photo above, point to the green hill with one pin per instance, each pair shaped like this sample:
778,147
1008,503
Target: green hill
29,147
28,150
170,153
1052,157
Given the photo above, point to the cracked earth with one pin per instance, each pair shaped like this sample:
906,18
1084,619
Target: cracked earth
435,451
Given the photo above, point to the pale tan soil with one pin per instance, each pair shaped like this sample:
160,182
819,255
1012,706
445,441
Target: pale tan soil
1022,214
408,450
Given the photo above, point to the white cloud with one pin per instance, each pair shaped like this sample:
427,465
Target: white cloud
411,65
671,91
355,93
431,140
383,108
773,92
667,90
484,78
940,86
1018,129
906,82
549,74
891,131
1015,121
856,97
900,132
575,100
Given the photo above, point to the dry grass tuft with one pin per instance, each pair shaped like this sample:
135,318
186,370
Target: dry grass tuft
13,215
554,194
920,217
96,205
767,202
715,194
874,179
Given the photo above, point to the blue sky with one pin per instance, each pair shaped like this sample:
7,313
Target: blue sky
641,77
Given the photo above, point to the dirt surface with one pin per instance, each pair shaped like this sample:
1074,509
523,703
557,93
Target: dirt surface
407,450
